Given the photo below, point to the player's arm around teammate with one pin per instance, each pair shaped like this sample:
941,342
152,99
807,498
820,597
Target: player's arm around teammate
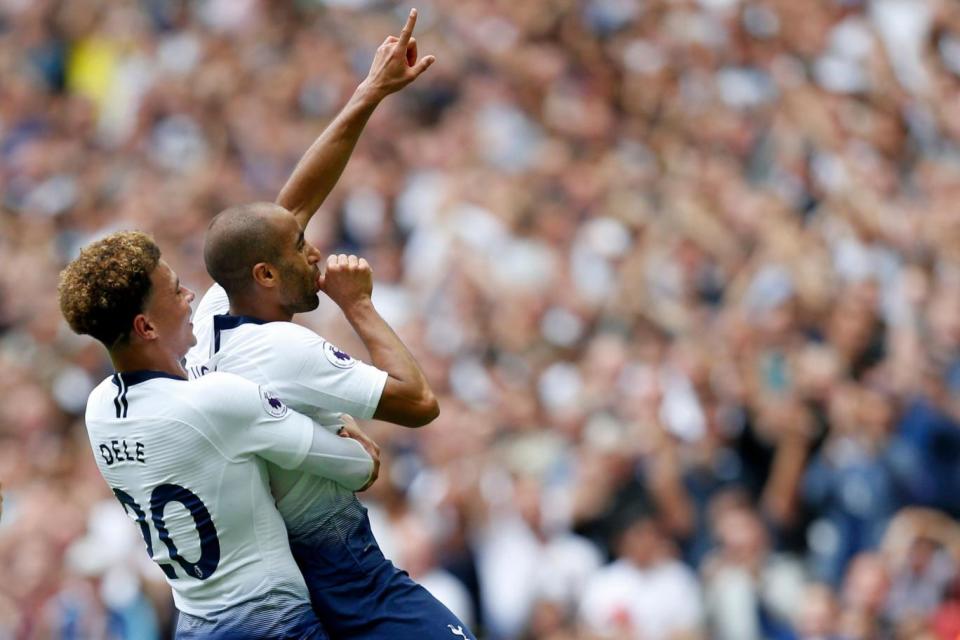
159,439
394,66
250,419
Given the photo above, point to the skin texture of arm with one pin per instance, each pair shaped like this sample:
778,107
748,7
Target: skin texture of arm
395,65
324,162
407,398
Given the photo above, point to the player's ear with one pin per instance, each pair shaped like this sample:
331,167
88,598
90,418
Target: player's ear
264,274
143,328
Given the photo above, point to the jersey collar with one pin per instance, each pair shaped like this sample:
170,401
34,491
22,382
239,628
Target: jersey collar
226,321
130,378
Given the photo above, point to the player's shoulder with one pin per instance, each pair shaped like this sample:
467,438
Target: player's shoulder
207,392
285,339
247,330
226,394
101,398
299,341
215,382
213,398
287,331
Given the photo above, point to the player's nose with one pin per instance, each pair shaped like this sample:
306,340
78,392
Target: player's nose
313,254
190,295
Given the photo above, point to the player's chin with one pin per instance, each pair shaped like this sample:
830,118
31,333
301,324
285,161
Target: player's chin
310,303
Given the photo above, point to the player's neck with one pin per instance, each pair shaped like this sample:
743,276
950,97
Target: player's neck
259,309
140,358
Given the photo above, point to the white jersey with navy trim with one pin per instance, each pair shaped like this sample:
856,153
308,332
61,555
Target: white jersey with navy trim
187,460
308,373
355,591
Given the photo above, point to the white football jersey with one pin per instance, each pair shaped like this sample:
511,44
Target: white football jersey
187,460
308,373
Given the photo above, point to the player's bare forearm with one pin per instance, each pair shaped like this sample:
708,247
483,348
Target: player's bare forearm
407,398
395,65
323,163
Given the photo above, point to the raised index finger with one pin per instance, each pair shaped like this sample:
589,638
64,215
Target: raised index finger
407,30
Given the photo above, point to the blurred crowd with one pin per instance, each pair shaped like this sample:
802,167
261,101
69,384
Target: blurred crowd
684,274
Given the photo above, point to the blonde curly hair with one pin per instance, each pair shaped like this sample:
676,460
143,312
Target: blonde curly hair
107,285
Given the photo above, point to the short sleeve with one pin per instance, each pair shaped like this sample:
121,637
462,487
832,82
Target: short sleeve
246,419
316,373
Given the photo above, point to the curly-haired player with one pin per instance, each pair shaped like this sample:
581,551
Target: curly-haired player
109,285
186,459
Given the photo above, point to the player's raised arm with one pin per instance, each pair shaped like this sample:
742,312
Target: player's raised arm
407,398
395,65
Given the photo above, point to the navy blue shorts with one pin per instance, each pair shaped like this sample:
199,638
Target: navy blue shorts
357,593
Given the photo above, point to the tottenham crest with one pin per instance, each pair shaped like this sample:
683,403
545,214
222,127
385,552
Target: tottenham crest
272,404
337,357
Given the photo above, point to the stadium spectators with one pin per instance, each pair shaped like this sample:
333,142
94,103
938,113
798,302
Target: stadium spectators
684,273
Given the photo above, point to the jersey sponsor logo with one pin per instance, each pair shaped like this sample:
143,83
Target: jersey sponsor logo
272,404
337,358
457,631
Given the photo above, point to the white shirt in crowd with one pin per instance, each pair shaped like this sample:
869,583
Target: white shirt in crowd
626,601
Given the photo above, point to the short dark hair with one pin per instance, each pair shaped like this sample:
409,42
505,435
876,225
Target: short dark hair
237,239
108,284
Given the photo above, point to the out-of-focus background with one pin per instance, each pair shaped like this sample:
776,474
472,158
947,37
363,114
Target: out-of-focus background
685,275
